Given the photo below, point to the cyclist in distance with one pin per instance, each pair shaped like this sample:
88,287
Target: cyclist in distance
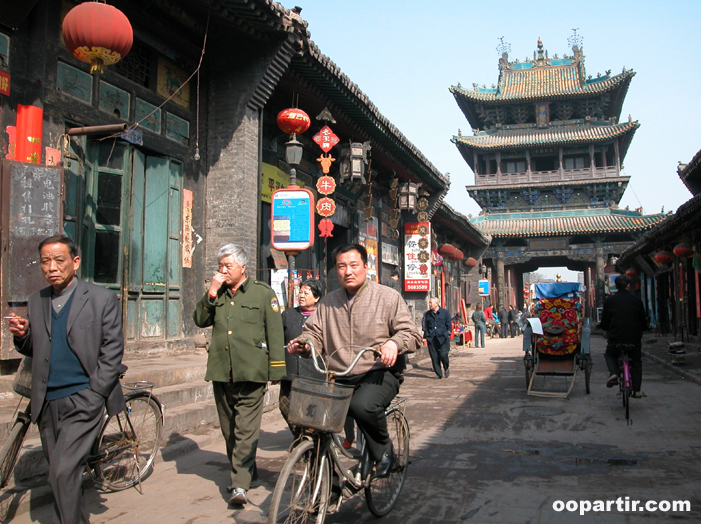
625,320
363,313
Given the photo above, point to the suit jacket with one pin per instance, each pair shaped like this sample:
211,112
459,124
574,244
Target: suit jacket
94,331
437,325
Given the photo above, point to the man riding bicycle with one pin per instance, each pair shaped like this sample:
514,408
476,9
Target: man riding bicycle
363,313
625,320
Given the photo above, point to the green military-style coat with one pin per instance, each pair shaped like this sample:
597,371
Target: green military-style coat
247,337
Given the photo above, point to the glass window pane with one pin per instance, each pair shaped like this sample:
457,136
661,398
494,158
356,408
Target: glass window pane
106,257
109,199
111,155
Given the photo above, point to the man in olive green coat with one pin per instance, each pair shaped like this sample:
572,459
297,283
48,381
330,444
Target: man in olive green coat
247,351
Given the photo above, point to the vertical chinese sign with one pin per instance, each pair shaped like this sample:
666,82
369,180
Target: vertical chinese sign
188,247
417,256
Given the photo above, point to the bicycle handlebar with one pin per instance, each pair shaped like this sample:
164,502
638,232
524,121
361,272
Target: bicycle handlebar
315,360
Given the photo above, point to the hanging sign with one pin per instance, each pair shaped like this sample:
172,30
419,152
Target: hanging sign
326,139
483,286
326,207
292,219
4,83
417,260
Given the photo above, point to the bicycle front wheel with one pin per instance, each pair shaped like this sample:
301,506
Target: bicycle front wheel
10,449
128,442
303,488
382,493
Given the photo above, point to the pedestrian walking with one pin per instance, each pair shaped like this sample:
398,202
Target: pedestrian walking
512,316
504,322
247,351
73,332
480,322
437,327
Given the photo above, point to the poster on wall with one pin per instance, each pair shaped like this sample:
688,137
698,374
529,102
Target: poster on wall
371,247
417,256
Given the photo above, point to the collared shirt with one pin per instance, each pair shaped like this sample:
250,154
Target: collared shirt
59,298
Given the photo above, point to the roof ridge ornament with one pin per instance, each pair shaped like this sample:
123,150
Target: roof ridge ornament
575,42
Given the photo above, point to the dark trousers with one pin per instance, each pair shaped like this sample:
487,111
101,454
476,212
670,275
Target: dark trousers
512,328
373,393
636,364
68,427
439,354
240,409
504,329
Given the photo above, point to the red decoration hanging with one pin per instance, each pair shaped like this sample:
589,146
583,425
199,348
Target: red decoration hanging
459,255
97,33
293,121
684,250
664,257
470,262
447,250
325,228
326,139
326,207
326,185
632,273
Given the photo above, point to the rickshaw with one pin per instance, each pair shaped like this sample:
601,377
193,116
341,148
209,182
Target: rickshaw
556,339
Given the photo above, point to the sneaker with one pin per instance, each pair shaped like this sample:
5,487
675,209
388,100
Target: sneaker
447,373
638,394
612,381
238,496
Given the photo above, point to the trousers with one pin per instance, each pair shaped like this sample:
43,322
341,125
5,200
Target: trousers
68,427
636,364
439,354
240,410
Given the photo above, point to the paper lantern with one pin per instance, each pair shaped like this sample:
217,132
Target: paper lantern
447,250
293,121
664,257
632,273
470,262
97,33
684,250
459,255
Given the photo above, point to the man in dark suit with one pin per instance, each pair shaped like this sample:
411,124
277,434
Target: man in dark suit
437,327
73,331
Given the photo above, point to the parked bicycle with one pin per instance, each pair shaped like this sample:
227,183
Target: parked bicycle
625,381
125,448
320,473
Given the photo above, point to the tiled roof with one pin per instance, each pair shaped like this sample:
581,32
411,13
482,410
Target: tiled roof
543,83
460,225
566,223
518,138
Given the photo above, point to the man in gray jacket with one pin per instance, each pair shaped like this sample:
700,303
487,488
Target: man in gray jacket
367,314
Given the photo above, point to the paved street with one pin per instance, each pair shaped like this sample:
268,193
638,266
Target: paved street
483,452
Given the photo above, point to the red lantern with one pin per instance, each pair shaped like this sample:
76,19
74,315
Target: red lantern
684,250
459,255
632,273
470,262
447,250
664,257
97,33
293,121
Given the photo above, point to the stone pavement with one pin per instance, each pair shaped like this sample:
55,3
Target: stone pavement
482,452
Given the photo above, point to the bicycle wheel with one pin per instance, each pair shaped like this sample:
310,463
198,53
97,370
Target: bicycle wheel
382,493
303,488
126,447
10,449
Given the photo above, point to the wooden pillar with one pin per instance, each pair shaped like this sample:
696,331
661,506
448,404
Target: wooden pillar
592,163
561,167
617,155
528,164
500,279
600,277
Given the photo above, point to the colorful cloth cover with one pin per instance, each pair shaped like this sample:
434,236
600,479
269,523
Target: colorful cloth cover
562,325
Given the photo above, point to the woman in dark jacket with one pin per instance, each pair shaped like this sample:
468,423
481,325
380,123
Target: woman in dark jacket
292,322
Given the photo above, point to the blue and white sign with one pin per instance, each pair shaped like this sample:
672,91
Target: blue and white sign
483,287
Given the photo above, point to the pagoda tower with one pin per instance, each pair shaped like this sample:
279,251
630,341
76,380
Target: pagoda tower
547,150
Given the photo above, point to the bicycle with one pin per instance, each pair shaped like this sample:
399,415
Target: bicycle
303,492
625,382
124,450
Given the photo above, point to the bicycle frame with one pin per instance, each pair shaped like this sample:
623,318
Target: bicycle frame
624,363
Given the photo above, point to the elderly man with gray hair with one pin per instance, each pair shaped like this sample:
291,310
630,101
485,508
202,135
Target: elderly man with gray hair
246,352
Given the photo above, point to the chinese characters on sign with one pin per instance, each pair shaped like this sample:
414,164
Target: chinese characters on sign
326,139
4,83
188,248
417,260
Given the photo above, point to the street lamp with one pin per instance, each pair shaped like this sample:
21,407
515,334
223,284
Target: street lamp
293,156
408,195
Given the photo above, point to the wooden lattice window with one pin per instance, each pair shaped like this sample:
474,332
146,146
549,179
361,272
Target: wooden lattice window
136,66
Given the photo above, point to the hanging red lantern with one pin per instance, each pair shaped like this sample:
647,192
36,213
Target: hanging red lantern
632,273
293,121
470,262
97,33
684,250
459,255
664,257
447,250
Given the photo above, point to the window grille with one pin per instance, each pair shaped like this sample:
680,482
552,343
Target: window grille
136,66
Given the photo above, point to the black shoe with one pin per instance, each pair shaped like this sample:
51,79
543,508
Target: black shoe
386,464
612,381
447,372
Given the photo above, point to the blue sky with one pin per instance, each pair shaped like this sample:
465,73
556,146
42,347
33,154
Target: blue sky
405,55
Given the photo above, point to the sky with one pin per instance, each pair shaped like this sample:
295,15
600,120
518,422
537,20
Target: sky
405,55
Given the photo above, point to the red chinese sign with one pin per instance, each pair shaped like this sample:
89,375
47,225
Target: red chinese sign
326,139
4,83
326,207
326,185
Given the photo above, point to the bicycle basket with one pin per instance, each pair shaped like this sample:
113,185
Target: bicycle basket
319,404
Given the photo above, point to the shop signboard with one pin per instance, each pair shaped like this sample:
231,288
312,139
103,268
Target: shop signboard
292,219
417,256
483,286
